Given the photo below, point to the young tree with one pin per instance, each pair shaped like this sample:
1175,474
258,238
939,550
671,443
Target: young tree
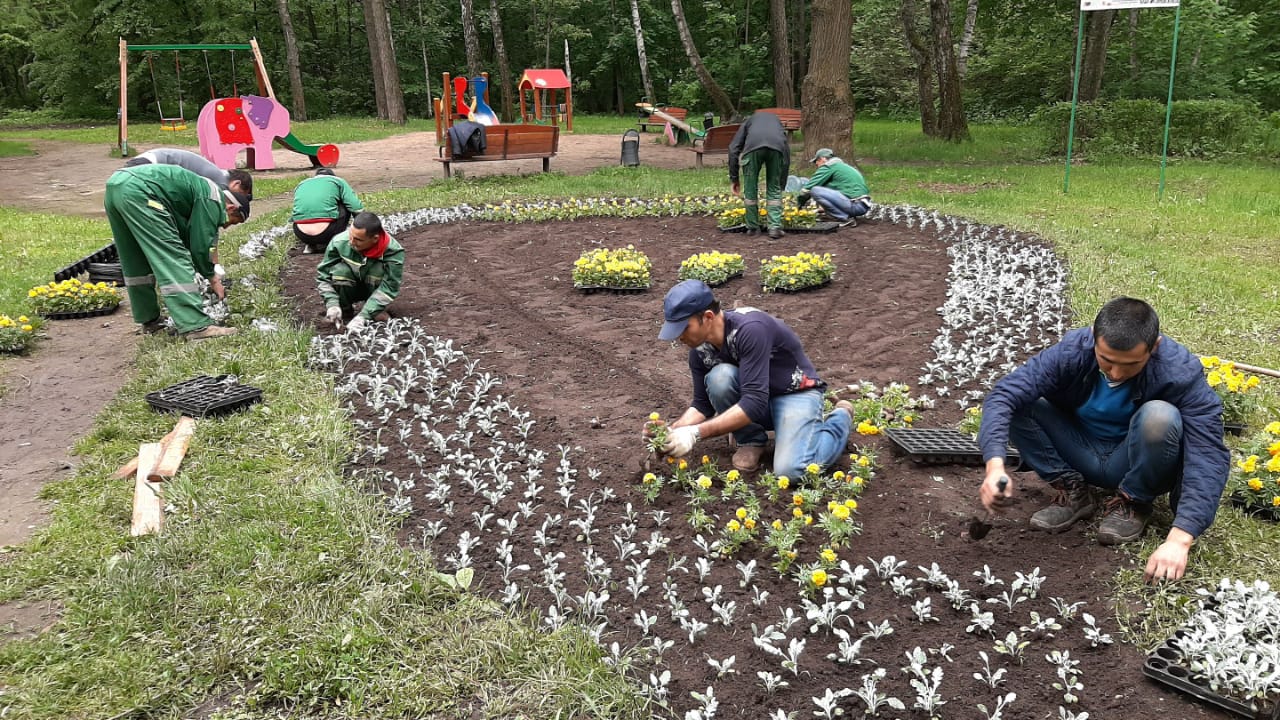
644,59
922,55
298,109
828,105
952,125
471,38
966,39
504,66
784,92
375,59
718,96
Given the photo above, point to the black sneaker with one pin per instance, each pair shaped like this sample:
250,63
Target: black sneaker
1123,520
1073,502
775,233
752,232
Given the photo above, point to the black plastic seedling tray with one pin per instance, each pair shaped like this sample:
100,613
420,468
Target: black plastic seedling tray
592,289
107,254
940,446
205,396
77,314
1163,666
806,288
727,279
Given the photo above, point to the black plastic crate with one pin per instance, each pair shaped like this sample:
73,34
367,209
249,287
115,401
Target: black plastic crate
593,289
107,254
1164,666
940,446
806,288
205,396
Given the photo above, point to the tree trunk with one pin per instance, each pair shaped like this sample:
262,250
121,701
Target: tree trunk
966,40
800,22
471,38
504,66
784,91
379,32
921,55
718,96
426,68
1133,46
952,125
1097,35
644,58
298,108
375,59
828,106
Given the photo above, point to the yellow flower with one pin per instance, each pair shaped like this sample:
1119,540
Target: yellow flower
864,461
1210,362
1255,484
797,512
776,524
840,512
798,500
750,523
23,319
705,459
734,526
808,519
684,464
838,475
741,513
828,555
655,417
857,481
27,328
649,478
867,428
783,482
819,577
1249,464
851,504
1274,448
908,419
704,482
791,554
1215,379
32,293
1275,501
1273,427
733,476
813,469
1273,465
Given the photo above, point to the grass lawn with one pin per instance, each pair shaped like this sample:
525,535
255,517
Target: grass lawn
278,571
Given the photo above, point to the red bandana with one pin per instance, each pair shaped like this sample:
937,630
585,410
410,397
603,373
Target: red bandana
376,250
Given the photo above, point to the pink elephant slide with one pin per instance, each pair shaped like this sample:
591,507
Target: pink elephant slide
249,122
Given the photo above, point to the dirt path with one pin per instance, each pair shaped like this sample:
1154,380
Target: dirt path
69,178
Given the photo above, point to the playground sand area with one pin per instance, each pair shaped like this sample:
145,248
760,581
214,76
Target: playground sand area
590,369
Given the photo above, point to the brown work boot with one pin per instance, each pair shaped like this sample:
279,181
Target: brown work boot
1123,520
1073,502
752,232
212,331
747,457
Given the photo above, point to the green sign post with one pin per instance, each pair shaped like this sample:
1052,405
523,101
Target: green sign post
1092,5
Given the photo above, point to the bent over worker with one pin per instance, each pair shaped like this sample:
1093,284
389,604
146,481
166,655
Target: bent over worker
750,375
238,180
322,207
362,265
760,144
165,223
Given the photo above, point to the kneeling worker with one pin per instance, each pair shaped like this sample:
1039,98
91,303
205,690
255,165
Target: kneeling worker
364,264
838,187
165,221
750,375
322,207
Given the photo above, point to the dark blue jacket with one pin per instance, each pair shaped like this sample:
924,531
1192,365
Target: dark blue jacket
1065,374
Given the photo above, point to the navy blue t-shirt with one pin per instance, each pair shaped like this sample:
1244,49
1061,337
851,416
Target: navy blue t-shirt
1107,412
769,357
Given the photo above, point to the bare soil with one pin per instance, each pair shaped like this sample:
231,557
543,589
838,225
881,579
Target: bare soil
590,369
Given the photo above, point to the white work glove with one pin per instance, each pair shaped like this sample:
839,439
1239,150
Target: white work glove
334,316
680,441
358,324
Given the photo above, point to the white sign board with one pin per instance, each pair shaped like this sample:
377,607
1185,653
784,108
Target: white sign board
1087,5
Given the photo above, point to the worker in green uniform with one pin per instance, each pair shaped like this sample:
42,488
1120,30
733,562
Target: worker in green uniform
362,265
760,144
165,222
838,188
322,207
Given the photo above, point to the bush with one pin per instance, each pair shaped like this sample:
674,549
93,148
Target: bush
1197,128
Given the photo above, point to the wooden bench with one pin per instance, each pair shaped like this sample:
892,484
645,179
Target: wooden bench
715,142
508,142
791,118
649,121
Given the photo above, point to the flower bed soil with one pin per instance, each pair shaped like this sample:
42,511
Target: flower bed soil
590,369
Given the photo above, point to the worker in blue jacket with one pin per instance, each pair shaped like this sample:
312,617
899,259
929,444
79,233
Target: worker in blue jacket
1118,407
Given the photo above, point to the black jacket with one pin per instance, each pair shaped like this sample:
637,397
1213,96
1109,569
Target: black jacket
467,138
761,130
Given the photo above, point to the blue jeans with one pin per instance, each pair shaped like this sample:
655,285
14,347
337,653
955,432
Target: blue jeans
1144,464
837,205
801,436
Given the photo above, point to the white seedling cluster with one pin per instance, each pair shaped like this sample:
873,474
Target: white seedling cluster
1232,643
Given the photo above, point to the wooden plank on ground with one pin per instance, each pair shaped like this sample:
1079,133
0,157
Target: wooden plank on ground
173,450
148,506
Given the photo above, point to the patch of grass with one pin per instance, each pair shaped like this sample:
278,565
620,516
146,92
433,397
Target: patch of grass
33,246
893,141
13,148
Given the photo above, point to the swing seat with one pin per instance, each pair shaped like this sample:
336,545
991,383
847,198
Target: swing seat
173,124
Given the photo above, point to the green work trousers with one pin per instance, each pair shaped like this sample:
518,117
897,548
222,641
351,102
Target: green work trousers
152,252
774,177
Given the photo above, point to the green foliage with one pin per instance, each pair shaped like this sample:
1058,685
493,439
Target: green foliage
1198,128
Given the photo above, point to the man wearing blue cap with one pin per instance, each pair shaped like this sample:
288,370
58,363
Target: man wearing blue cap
750,376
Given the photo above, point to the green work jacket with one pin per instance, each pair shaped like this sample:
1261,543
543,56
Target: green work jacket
345,276
839,175
318,198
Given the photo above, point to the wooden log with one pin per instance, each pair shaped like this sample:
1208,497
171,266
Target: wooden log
148,507
174,450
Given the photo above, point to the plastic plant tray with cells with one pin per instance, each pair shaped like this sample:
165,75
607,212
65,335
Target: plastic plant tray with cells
205,396
941,446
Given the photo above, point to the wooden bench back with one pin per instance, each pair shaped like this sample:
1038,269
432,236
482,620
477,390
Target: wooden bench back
718,138
678,113
790,117
515,140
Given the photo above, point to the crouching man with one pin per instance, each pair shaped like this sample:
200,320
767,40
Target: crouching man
362,265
